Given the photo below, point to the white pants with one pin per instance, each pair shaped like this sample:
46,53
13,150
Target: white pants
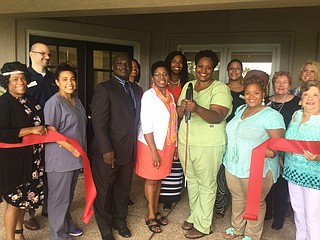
306,206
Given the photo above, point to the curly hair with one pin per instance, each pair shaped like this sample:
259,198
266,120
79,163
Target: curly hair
209,54
10,67
64,67
184,72
258,77
157,65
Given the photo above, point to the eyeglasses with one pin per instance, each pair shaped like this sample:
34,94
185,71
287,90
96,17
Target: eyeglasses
158,74
43,53
234,69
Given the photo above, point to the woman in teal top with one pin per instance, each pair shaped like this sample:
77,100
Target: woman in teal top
210,107
252,124
303,170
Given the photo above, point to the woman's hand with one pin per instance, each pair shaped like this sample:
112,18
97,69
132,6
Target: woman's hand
310,156
156,159
190,106
281,163
51,128
175,155
75,152
39,130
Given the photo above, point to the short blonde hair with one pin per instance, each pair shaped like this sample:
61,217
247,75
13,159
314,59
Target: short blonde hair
281,74
305,86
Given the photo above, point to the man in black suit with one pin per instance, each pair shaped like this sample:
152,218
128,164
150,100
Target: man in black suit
115,118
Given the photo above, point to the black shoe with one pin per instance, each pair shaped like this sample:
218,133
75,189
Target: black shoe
124,231
130,203
109,236
277,224
268,216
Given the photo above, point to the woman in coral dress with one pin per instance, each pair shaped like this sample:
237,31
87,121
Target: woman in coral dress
156,144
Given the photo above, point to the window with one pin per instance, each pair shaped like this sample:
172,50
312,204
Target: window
92,61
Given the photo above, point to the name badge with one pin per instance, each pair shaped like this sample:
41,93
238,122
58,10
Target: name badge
38,107
32,84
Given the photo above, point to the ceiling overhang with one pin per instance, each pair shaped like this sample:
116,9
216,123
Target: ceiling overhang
73,8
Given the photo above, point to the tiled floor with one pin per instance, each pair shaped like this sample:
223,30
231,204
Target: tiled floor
136,223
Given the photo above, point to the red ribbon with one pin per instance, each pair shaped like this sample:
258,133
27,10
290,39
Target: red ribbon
257,165
89,187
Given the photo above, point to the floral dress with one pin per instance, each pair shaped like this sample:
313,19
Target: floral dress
31,193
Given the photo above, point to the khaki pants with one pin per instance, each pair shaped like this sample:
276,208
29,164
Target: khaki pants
239,188
202,169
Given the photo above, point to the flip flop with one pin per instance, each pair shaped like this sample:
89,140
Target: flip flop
230,234
167,207
187,226
195,234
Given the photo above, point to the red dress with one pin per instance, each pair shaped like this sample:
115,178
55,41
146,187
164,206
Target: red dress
175,92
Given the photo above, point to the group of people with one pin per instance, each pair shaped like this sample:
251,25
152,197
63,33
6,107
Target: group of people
260,118
37,101
201,130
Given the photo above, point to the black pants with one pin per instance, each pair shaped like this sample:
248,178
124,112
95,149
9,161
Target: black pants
277,200
113,190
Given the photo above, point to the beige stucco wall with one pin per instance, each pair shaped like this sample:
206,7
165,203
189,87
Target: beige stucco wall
301,23
7,39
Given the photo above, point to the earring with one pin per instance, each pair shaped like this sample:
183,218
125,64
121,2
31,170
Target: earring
263,103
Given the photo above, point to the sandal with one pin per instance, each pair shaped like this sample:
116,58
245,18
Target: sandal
219,215
187,226
194,234
167,207
161,219
153,225
230,234
246,238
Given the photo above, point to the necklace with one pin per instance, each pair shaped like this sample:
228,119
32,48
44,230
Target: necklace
174,83
249,115
277,106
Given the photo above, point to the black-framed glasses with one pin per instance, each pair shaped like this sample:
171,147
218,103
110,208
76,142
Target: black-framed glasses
43,53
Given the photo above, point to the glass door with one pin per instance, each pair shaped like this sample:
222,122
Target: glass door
93,63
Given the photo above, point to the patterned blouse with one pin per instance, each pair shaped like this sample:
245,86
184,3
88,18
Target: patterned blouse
297,169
